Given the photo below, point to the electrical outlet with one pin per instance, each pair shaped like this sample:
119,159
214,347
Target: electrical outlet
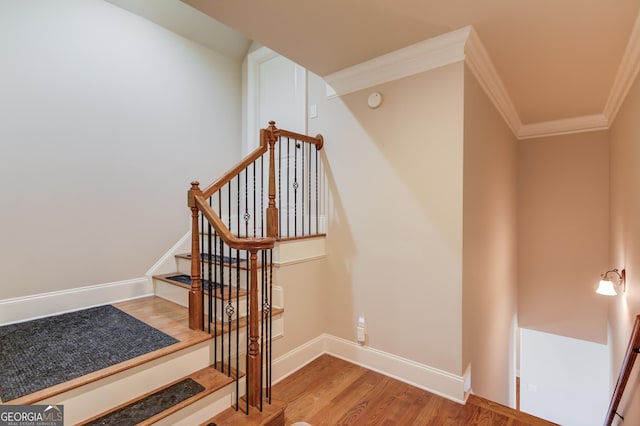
360,331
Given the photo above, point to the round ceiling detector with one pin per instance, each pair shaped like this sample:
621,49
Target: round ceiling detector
375,100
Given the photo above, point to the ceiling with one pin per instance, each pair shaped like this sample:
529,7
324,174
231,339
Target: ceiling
557,59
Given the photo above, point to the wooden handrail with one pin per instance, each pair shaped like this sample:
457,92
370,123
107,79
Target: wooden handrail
318,140
239,243
625,371
269,134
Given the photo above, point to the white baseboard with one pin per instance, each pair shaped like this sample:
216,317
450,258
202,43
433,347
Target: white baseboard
167,262
292,361
425,377
58,302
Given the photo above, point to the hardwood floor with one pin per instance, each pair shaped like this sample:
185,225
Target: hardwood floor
330,391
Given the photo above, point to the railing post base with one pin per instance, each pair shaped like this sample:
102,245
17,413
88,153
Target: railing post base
196,314
195,310
253,357
272,222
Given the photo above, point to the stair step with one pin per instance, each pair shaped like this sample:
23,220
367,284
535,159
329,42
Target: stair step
96,392
184,280
215,260
160,403
271,415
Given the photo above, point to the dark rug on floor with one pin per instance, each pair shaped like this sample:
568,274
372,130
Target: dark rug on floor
151,405
37,354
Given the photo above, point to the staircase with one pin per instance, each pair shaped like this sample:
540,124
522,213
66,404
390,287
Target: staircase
95,394
221,301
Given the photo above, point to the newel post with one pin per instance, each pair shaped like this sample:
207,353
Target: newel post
195,294
272,210
253,364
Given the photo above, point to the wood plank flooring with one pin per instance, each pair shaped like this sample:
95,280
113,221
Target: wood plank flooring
330,391
168,317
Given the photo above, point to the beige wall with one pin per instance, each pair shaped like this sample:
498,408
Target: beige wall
563,187
305,303
395,214
625,241
105,118
489,247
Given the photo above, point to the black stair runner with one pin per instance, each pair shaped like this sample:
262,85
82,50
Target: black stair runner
151,405
186,279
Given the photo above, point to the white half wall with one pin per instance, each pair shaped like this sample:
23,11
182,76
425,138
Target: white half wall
563,380
30,307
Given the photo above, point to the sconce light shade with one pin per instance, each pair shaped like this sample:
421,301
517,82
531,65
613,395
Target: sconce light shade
606,288
607,284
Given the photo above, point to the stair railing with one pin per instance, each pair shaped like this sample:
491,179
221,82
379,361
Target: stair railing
633,349
233,235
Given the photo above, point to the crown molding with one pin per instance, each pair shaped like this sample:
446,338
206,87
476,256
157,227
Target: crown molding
627,72
464,44
417,58
479,62
585,123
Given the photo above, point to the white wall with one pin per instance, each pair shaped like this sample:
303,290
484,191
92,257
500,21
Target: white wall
563,234
394,244
625,242
105,118
564,380
489,247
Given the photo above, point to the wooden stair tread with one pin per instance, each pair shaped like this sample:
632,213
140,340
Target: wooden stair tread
271,415
225,295
209,378
243,322
168,317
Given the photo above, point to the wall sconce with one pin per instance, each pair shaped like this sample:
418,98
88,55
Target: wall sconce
607,284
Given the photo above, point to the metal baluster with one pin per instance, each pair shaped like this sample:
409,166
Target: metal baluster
237,326
254,198
246,390
219,280
270,333
247,216
202,263
288,188
214,316
221,266
211,280
279,187
295,190
262,324
317,197
309,188
261,198
302,176
229,308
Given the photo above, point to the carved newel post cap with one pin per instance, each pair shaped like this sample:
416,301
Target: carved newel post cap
195,185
